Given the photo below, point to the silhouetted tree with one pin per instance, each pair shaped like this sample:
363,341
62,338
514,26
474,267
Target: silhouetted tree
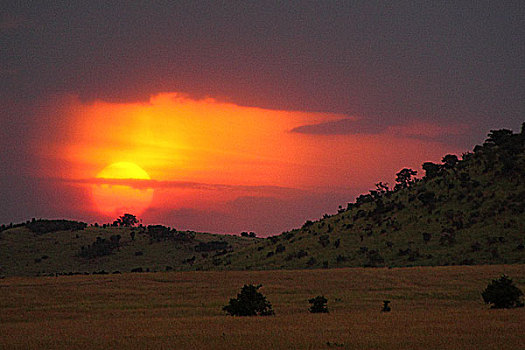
405,177
380,190
503,294
318,304
249,302
127,220
498,137
431,170
449,161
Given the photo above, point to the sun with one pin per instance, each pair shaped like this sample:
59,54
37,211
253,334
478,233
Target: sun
117,197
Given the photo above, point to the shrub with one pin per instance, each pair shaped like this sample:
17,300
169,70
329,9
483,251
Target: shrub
503,294
249,302
324,240
386,306
318,304
100,247
43,226
211,246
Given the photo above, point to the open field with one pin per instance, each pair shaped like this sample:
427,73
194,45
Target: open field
432,308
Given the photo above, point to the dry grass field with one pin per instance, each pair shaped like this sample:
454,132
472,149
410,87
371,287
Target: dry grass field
432,308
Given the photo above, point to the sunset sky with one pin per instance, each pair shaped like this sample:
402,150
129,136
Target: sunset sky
242,116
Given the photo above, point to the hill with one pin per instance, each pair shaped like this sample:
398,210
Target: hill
56,247
461,212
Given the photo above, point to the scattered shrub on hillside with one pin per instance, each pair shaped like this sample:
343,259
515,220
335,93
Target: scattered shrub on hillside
427,198
324,240
318,304
210,246
426,237
42,226
280,248
312,261
341,258
300,254
249,302
100,247
374,259
447,238
503,294
189,261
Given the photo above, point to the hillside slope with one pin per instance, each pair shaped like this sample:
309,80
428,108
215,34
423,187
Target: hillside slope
51,247
468,211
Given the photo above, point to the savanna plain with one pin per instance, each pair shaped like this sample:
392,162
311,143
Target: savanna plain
432,308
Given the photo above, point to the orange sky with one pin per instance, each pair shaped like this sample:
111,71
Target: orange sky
204,155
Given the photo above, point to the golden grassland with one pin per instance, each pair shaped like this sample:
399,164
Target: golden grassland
432,308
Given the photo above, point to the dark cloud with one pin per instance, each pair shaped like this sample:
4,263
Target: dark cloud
393,62
343,127
458,134
155,184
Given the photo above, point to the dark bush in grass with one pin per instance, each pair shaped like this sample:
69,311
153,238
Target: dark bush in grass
249,302
503,294
318,304
386,306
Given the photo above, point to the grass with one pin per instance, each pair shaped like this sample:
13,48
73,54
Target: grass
432,308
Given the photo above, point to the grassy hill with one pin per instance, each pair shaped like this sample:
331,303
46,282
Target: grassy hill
462,212
48,247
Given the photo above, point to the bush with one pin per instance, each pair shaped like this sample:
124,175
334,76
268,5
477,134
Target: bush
249,302
386,306
503,294
318,304
43,226
100,247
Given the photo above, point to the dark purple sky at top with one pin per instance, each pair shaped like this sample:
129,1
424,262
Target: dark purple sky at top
390,63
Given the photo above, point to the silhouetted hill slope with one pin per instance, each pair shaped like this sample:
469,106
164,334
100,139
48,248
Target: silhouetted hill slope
468,211
49,247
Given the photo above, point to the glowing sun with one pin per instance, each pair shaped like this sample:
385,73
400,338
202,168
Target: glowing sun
120,193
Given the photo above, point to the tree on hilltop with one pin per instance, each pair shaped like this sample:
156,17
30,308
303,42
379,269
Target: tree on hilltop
126,220
449,161
405,178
